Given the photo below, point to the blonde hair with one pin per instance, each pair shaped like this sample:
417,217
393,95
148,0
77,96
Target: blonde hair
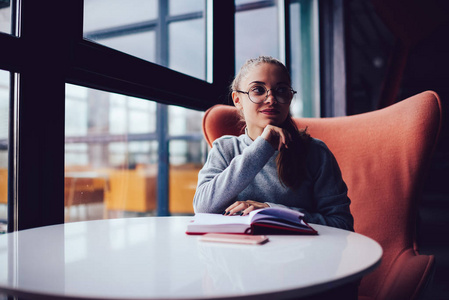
291,161
253,62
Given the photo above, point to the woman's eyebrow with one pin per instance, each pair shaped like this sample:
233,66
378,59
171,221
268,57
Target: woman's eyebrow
258,82
261,82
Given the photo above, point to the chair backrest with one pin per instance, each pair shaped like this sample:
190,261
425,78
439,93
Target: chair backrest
383,156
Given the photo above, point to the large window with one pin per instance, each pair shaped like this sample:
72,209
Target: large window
110,111
117,146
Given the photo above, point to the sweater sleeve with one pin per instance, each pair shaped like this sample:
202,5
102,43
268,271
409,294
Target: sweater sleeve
227,172
330,199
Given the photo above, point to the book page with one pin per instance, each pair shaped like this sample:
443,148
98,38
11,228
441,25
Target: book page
277,213
215,219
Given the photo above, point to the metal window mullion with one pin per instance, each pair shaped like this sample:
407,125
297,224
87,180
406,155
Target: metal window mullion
162,34
184,17
283,30
139,27
122,30
254,5
209,6
307,61
163,160
162,116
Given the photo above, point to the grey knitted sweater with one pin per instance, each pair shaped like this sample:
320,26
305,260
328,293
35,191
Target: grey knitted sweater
238,168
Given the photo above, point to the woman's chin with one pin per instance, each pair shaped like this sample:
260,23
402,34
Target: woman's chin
277,121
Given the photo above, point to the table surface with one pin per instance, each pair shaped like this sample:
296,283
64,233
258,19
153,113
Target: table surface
148,258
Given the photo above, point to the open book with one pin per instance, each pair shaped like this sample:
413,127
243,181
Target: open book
271,220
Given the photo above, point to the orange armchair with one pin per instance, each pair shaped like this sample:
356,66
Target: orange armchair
383,156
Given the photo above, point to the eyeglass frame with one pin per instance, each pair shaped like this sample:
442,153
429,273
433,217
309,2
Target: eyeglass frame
266,95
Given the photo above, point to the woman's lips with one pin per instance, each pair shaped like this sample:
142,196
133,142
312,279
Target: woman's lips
270,112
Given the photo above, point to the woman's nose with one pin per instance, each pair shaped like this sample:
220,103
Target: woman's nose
271,98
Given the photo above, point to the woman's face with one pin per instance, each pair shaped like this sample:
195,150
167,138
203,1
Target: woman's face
270,111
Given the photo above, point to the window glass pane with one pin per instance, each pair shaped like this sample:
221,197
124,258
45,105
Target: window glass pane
138,116
256,33
186,160
5,16
76,105
177,7
142,45
297,106
187,155
111,155
184,121
136,28
239,2
106,14
304,51
187,51
4,129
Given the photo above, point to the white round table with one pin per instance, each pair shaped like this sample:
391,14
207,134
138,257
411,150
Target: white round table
153,258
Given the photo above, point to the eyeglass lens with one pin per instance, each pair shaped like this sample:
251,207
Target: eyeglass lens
259,94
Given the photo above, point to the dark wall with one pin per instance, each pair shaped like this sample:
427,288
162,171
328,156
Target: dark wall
428,69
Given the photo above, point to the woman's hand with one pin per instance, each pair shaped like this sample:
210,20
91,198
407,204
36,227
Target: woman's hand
276,136
244,207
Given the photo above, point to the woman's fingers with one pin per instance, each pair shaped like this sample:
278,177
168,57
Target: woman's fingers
248,210
243,207
276,136
253,205
236,207
286,138
283,141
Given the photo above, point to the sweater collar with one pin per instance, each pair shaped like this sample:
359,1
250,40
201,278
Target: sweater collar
246,138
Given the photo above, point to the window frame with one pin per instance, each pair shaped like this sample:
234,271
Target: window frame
97,66
36,172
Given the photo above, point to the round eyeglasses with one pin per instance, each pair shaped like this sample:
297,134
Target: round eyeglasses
259,93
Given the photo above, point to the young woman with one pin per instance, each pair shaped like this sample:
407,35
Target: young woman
273,163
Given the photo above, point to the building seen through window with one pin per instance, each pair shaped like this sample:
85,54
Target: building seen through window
112,155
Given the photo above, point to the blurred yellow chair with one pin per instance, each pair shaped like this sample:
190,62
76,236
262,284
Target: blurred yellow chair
132,190
3,186
183,181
